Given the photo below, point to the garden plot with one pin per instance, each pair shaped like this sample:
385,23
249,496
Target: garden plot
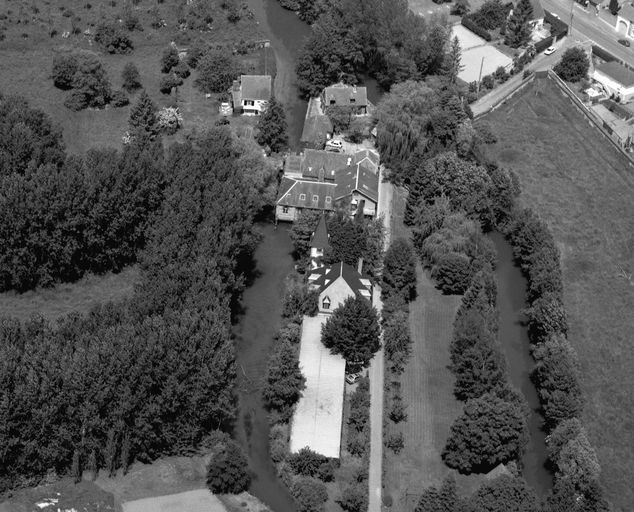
474,50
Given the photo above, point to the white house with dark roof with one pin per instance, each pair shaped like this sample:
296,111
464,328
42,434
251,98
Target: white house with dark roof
250,94
342,95
335,283
616,80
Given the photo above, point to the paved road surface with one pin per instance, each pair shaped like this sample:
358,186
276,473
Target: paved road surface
588,26
384,208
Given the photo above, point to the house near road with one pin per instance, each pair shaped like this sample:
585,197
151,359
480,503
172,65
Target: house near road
342,95
616,80
322,180
250,94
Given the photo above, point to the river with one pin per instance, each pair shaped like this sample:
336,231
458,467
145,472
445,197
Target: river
515,345
259,321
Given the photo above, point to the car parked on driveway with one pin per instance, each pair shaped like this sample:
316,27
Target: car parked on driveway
550,50
351,378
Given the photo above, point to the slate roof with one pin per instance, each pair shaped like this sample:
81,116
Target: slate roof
617,72
316,129
328,275
315,159
320,238
538,10
293,165
255,87
358,177
341,94
292,190
367,154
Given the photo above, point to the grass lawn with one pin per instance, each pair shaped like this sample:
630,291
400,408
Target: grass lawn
584,189
427,388
27,52
65,298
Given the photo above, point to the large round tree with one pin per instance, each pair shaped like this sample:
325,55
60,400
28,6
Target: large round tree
489,432
353,331
227,472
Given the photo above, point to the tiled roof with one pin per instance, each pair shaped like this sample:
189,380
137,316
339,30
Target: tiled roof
328,275
316,159
316,129
617,72
341,94
293,165
301,194
367,154
256,87
320,239
360,177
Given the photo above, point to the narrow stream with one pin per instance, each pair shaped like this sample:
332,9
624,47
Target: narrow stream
515,345
259,322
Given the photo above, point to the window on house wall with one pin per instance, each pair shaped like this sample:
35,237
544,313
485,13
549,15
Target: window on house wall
249,103
328,199
285,209
315,198
325,304
352,100
332,102
302,197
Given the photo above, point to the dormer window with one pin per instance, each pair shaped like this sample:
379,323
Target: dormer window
315,198
328,199
302,197
325,304
352,100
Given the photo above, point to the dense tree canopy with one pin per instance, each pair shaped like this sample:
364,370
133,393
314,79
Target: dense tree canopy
272,127
504,494
353,331
573,65
227,472
284,380
399,270
217,69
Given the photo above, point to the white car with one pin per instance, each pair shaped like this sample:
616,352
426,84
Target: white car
334,145
351,378
550,50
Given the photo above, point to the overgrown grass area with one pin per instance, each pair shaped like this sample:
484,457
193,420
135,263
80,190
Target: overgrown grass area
584,188
427,389
27,52
81,297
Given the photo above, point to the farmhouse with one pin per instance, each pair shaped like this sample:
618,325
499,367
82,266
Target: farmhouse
616,80
322,180
250,94
342,95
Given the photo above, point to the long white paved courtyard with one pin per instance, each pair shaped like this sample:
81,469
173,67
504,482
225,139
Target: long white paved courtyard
474,49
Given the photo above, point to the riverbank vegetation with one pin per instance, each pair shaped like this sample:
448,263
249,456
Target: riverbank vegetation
455,193
71,401
582,188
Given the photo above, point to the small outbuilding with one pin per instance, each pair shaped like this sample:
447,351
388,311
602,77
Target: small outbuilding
616,80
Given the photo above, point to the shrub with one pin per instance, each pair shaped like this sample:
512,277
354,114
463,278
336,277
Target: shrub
278,442
284,381
227,472
181,70
398,344
396,442
501,74
306,462
119,99
131,77
169,120
169,59
112,39
398,410
168,82
64,69
452,273
354,498
310,494
573,66
468,23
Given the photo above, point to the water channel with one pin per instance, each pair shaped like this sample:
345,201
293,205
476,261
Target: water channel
259,322
515,345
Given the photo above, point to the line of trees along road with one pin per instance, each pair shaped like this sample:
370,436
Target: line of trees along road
153,375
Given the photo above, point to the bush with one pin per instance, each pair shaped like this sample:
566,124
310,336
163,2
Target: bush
452,273
168,82
501,74
119,99
398,344
306,462
396,442
354,498
278,442
131,78
169,59
310,494
112,39
64,69
227,472
181,70
398,410
488,82
169,120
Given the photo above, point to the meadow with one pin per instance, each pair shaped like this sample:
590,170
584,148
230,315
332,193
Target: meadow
584,188
31,34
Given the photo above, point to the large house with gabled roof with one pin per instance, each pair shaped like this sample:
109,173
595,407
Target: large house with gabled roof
250,94
335,283
322,180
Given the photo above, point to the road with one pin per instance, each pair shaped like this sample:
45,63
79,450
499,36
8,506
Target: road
588,26
375,477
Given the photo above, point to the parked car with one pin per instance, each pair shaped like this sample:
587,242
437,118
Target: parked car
624,42
550,50
334,145
351,378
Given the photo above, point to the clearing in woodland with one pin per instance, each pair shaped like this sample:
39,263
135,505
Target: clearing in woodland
584,188
427,389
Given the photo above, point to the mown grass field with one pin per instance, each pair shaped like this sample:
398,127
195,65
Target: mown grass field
584,188
27,52
427,388
81,297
